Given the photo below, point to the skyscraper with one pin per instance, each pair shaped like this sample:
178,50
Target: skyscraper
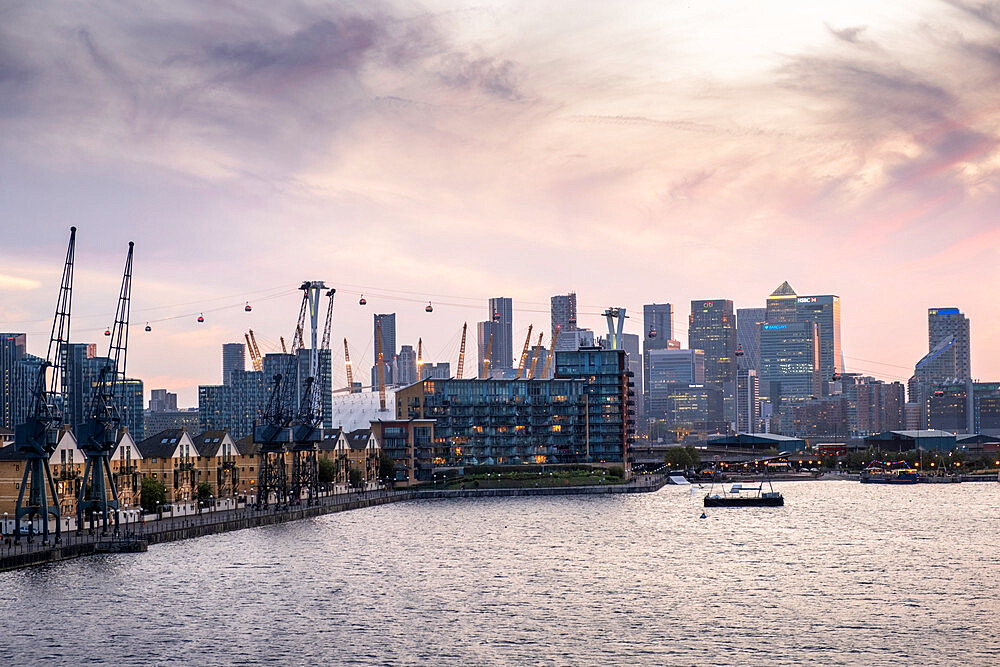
748,321
824,311
747,400
945,323
406,366
12,351
781,305
383,326
784,306
502,313
789,361
657,325
657,334
712,328
233,359
563,313
487,340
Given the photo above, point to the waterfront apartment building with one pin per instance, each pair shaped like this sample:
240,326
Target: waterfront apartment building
216,463
66,463
712,328
413,445
584,415
497,422
949,323
170,457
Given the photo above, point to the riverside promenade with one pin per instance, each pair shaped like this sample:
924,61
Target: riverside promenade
135,536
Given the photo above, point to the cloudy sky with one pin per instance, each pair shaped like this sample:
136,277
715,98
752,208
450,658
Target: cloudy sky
632,152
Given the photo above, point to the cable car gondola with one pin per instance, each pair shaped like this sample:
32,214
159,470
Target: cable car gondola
362,300
247,307
429,308
107,332
739,350
652,332
201,318
148,328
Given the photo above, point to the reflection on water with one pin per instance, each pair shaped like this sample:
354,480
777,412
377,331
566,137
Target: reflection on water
843,574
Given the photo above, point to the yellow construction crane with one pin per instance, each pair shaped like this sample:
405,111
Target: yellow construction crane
534,356
461,352
284,350
255,358
552,353
524,354
420,358
347,364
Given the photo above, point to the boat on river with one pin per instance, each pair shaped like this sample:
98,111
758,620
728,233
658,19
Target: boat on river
745,496
876,474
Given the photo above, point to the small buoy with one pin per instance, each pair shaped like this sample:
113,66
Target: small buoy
107,332
148,328
247,307
704,516
362,300
201,318
429,308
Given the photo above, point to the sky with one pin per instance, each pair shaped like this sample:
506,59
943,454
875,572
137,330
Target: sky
450,152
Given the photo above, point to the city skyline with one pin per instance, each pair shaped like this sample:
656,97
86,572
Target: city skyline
862,163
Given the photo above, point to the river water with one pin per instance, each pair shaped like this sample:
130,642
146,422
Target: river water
843,574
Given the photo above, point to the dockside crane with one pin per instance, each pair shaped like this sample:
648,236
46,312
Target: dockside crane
97,437
272,431
347,365
307,428
461,352
534,356
37,438
524,355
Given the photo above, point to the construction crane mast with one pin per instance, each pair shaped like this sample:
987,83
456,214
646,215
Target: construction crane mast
552,353
347,365
98,436
420,358
524,354
38,437
534,356
461,352
255,358
486,359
